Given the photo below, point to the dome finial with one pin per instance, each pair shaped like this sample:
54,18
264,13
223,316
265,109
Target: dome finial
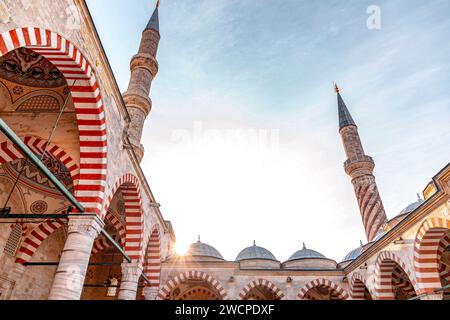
360,243
304,245
418,196
198,239
254,243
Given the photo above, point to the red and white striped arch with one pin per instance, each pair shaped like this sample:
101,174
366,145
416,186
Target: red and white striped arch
34,239
88,106
264,284
9,152
152,262
403,284
338,290
134,216
101,243
358,286
384,274
165,291
428,247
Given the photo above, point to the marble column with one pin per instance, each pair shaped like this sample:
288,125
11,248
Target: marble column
71,271
131,272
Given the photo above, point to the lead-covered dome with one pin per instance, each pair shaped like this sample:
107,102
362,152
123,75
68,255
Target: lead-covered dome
305,259
203,250
411,207
255,253
352,255
306,253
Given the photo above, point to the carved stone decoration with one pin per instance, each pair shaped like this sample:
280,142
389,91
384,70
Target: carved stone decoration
39,207
42,103
24,66
18,90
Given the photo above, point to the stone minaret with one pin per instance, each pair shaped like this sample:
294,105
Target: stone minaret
144,68
359,167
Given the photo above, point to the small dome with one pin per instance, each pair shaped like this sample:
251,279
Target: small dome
306,254
200,249
255,253
411,207
352,255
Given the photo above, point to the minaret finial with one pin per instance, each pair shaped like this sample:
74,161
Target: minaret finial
336,88
157,3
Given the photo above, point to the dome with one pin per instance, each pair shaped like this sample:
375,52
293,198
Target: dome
411,207
306,254
200,249
352,255
255,253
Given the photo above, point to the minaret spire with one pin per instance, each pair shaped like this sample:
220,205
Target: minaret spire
359,167
153,23
144,68
345,118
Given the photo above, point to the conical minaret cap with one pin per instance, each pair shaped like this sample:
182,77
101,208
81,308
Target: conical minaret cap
345,118
153,24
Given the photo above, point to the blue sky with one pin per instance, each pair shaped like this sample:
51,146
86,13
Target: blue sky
267,67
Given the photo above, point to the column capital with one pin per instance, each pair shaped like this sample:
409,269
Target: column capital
131,270
90,225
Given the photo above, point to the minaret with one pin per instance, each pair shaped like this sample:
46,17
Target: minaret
144,68
359,167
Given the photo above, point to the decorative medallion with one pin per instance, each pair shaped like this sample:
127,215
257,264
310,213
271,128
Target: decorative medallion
39,207
18,90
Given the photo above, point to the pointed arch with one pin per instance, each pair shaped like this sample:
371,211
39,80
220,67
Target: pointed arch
34,239
88,104
264,284
429,244
358,287
152,262
9,152
134,216
321,282
101,243
385,275
195,275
